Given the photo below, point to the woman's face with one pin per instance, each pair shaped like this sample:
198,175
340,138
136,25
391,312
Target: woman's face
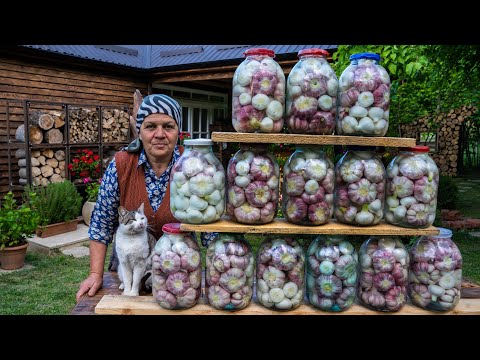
159,134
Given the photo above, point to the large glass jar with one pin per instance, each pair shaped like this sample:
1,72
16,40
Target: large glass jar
308,183
177,269
363,97
197,184
258,101
435,276
229,272
312,87
384,265
252,185
332,273
280,273
412,188
359,187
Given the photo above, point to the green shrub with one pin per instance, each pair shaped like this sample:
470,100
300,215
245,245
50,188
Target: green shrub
447,193
58,202
18,222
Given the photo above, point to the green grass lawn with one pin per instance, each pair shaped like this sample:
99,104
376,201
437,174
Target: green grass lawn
46,285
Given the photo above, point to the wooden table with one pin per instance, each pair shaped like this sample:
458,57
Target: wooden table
109,301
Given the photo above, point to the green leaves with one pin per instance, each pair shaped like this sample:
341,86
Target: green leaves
58,202
17,223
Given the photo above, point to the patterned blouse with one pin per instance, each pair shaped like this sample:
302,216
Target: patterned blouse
104,219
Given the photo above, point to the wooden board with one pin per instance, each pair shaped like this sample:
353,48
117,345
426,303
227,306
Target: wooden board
281,226
311,139
146,305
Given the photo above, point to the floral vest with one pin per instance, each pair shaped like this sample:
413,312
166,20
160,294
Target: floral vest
133,191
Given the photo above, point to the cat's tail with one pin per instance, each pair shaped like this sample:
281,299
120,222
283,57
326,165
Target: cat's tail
113,264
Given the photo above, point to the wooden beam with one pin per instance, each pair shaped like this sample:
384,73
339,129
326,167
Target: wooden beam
196,77
280,138
281,226
217,83
146,305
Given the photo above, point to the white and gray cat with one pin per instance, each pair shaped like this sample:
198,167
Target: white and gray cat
134,248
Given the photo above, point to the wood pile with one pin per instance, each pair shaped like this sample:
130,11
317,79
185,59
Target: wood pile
47,165
45,127
83,125
115,125
447,127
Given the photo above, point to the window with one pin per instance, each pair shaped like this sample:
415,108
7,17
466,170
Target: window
200,108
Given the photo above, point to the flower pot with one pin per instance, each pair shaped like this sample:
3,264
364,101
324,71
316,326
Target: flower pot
12,258
87,211
58,228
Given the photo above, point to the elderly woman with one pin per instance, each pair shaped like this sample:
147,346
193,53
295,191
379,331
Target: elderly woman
138,174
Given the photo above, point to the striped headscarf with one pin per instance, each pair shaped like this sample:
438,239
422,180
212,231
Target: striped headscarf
159,103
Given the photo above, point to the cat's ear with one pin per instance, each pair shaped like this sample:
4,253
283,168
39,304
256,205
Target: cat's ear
141,208
122,211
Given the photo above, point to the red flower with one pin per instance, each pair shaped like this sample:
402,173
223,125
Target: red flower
85,165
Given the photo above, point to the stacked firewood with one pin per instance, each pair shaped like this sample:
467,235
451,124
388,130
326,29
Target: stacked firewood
115,125
447,128
83,125
44,127
47,165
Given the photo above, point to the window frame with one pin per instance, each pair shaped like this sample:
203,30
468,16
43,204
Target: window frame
193,104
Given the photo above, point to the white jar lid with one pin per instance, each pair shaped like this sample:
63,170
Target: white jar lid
198,142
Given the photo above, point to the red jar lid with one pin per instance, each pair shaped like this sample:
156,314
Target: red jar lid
313,51
172,228
417,148
259,51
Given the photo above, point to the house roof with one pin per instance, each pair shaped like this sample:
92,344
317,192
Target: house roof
150,57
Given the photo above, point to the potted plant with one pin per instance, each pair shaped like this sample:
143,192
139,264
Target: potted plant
91,190
59,206
17,224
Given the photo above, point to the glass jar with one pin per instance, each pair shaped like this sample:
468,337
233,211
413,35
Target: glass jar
435,277
308,184
312,87
229,272
332,273
258,93
363,97
252,185
197,184
177,269
280,273
412,188
383,274
359,187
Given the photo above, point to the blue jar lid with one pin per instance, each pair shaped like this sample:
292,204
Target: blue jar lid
365,55
444,233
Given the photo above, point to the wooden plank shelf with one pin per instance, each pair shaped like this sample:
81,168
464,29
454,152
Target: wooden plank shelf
281,226
281,138
146,305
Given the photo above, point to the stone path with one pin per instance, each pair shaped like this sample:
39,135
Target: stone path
70,243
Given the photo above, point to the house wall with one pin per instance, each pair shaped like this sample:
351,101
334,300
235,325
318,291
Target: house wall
23,79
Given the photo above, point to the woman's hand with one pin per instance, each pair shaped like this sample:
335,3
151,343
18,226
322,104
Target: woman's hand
90,285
